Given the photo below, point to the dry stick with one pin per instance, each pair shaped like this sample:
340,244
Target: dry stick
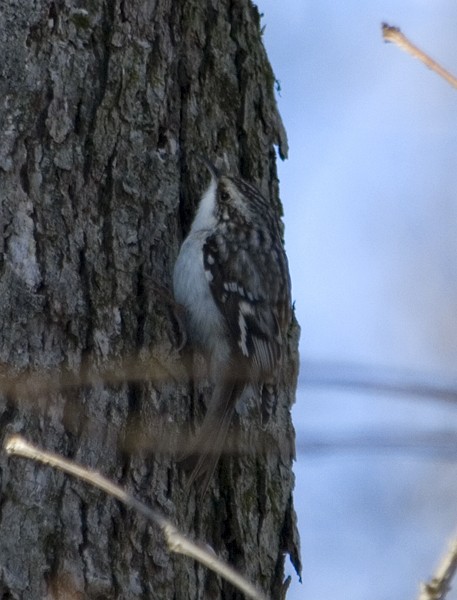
141,367
393,34
439,585
177,542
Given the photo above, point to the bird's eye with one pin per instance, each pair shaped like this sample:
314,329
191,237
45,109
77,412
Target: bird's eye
225,196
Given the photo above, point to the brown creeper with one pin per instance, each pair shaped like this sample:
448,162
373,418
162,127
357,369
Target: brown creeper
232,278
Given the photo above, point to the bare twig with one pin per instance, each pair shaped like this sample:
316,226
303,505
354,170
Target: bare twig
438,587
137,367
176,541
440,445
364,378
145,367
393,34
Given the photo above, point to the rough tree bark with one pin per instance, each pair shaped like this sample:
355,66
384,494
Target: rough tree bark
102,108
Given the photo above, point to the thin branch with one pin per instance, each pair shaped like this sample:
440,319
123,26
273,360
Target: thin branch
394,35
364,378
439,585
177,542
145,366
440,445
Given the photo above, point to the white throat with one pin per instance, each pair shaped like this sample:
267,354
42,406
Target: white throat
205,217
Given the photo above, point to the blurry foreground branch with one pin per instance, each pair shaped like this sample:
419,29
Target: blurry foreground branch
176,541
363,378
394,35
433,445
144,367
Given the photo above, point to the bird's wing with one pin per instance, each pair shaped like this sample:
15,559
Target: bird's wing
246,291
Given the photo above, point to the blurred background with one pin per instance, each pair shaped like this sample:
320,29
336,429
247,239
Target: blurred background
370,198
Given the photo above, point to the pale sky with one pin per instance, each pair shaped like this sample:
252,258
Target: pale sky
370,198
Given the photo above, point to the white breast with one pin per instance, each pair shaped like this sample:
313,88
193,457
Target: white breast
205,323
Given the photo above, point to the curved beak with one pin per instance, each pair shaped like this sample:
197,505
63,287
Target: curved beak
215,172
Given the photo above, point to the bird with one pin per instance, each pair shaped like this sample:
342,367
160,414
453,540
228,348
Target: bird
232,278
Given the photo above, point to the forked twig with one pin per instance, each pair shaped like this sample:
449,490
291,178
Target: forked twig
176,541
439,585
393,34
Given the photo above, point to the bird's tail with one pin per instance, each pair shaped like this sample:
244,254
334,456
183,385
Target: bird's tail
202,457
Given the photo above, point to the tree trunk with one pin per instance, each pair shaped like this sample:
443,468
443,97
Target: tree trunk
102,111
